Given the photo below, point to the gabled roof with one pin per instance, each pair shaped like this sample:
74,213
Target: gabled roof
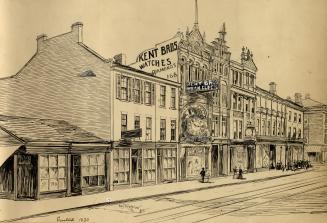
44,130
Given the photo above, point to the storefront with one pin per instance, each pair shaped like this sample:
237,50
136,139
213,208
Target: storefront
71,163
315,154
140,163
193,158
238,157
219,159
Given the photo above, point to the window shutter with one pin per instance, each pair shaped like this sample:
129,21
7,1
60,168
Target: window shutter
129,89
118,81
153,92
133,89
141,91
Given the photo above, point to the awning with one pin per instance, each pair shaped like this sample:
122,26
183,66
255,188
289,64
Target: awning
6,151
312,149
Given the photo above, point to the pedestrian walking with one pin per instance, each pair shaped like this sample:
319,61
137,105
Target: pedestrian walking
240,173
203,173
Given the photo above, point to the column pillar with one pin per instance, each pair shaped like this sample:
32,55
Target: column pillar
68,182
107,170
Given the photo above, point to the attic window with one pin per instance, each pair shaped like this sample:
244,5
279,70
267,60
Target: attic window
88,73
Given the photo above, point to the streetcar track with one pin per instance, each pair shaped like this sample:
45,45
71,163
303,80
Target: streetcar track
227,203
257,204
214,199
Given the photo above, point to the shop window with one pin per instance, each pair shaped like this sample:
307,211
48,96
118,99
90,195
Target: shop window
148,129
173,98
162,129
121,165
169,163
149,165
53,174
162,96
93,170
173,130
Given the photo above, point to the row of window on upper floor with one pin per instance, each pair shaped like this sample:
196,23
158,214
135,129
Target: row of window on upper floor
276,129
148,127
297,118
241,103
143,92
241,79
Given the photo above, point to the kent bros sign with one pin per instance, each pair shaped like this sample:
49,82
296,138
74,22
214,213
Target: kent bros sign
202,86
160,60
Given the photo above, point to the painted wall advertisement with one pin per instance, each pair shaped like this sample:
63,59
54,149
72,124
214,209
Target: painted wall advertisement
160,60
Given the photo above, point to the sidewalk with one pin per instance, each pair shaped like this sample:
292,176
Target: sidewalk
17,210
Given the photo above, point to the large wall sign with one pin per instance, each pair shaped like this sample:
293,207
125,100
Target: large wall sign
160,60
202,86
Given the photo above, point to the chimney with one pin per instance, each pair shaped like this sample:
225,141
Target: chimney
39,39
77,29
307,96
298,98
272,87
120,59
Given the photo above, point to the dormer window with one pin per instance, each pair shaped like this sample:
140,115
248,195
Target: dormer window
88,73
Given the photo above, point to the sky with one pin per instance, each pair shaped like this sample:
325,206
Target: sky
287,37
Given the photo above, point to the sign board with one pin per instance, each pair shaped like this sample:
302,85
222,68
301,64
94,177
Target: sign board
135,133
202,86
161,60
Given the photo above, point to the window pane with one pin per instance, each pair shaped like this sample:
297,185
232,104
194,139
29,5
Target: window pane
62,172
93,170
62,184
53,162
44,161
100,159
44,172
85,160
53,184
44,185
85,171
101,170
53,172
61,160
